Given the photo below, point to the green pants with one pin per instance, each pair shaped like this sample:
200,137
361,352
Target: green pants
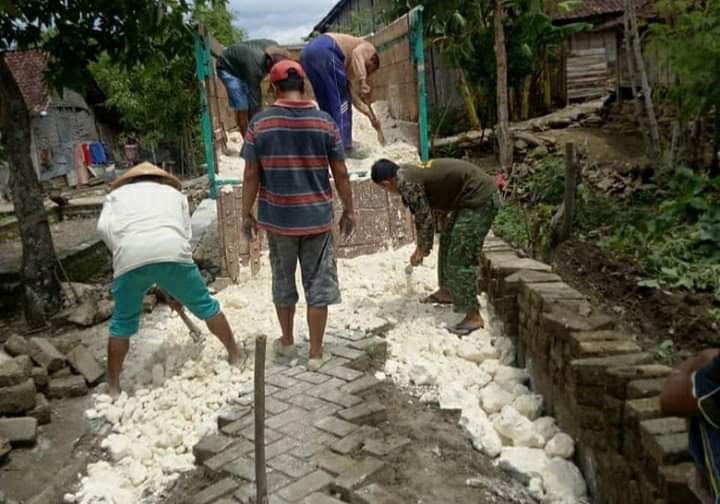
459,259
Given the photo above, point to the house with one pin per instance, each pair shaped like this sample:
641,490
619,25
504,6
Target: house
352,15
58,122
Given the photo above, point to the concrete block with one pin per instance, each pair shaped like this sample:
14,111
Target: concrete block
282,445
45,354
336,426
668,448
312,377
353,441
332,462
637,410
320,391
17,399
373,494
271,436
639,389
84,362
25,363
215,491
211,445
591,371
301,387
381,447
313,482
241,467
357,474
39,375
232,415
319,443
10,372
19,429
617,378
17,345
281,381
287,416
368,412
344,399
275,406
307,402
674,481
69,386
320,498
342,372
5,450
359,386
41,411
292,466
346,352
237,450
61,373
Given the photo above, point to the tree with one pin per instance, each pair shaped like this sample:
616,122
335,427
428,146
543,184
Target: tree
505,142
219,20
73,34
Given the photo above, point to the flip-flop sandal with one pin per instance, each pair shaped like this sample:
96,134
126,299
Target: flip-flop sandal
433,299
461,330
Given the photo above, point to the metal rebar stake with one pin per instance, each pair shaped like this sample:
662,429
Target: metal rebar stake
260,474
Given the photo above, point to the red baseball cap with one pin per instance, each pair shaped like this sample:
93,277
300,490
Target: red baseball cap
280,71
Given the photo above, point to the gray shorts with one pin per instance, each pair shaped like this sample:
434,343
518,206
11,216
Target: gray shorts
317,266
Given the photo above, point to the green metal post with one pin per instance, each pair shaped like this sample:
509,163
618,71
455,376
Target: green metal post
416,33
204,70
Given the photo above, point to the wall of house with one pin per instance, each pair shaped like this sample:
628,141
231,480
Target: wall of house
68,121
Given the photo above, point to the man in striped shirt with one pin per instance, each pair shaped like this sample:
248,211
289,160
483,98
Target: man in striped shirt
287,152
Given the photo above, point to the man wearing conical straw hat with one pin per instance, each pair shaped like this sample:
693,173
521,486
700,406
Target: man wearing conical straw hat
145,222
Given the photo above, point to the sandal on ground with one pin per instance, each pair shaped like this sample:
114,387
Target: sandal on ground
283,350
434,299
462,330
315,364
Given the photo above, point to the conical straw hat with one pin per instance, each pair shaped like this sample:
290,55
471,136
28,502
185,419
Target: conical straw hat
144,170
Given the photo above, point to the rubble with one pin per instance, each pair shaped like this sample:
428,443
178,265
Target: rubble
69,386
24,362
41,411
83,362
10,372
17,345
84,314
17,399
19,429
4,451
44,353
40,376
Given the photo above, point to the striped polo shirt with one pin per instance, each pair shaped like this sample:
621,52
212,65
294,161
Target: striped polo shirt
293,143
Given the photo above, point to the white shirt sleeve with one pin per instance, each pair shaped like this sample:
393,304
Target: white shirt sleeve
104,224
186,218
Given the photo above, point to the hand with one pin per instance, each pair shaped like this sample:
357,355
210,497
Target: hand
249,227
365,90
500,182
417,258
347,223
375,122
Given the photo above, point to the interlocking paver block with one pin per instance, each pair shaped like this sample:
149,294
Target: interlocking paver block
382,447
325,388
293,391
373,494
271,436
210,446
357,474
234,429
301,431
344,373
343,399
333,362
275,369
346,352
296,370
320,498
318,444
336,426
275,481
286,417
214,492
361,385
326,410
242,468
281,446
307,402
275,406
232,415
313,377
367,412
282,381
332,462
355,440
293,467
237,450
313,482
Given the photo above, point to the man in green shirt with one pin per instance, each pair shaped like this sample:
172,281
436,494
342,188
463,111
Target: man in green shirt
471,197
241,68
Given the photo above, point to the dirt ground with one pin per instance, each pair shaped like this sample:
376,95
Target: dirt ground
654,314
604,145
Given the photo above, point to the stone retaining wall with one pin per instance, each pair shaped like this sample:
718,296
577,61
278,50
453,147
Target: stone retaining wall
596,380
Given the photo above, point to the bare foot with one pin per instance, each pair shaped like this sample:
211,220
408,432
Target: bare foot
114,392
441,296
238,360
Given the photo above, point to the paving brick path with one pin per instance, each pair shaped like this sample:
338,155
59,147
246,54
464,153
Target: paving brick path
320,443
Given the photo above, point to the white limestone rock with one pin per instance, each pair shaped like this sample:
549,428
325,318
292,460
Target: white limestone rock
563,482
484,436
529,405
525,463
474,352
547,427
490,366
508,377
561,445
453,396
424,373
493,398
506,351
516,427
118,445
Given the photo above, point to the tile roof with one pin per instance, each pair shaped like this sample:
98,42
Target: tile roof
592,8
28,68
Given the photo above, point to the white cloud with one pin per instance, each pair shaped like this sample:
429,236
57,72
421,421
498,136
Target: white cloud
286,21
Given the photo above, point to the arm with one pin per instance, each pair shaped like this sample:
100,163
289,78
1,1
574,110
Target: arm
342,184
414,197
251,185
103,225
186,218
359,102
677,397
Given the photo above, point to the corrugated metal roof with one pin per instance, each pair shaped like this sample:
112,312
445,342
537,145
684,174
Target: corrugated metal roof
28,69
331,16
592,8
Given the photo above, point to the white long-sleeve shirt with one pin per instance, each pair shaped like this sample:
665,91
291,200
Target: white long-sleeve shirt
145,223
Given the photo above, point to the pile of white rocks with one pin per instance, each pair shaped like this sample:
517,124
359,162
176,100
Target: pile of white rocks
31,372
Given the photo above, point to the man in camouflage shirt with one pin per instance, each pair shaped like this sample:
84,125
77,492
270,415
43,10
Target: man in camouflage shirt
471,198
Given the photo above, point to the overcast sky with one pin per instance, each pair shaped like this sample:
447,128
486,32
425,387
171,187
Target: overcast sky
285,21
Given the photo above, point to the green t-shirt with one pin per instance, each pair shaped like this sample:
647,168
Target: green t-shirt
450,184
246,61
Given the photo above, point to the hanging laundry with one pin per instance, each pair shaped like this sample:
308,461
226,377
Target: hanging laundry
86,154
97,153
